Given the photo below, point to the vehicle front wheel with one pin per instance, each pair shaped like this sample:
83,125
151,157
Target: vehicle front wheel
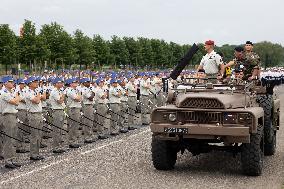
164,154
252,154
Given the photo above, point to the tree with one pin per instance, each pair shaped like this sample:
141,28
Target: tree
159,52
60,44
271,54
134,49
28,41
119,51
147,52
42,52
176,53
85,52
8,45
102,50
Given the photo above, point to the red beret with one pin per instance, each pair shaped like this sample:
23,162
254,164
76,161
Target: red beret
209,42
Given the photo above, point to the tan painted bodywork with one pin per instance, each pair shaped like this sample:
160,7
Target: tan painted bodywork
229,101
232,133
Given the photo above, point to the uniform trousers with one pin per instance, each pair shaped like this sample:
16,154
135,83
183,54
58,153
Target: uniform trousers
9,126
73,125
102,111
35,120
88,117
114,114
58,121
132,107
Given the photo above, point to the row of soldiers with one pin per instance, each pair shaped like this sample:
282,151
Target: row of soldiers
36,108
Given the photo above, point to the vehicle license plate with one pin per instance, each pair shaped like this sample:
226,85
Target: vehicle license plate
175,130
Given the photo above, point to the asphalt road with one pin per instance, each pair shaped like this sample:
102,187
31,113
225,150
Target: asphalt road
125,162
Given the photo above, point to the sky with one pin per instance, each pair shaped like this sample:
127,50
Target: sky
180,21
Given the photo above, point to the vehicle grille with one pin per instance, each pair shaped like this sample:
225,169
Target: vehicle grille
202,103
202,117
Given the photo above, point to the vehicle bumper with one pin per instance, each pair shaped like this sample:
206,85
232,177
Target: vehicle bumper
236,134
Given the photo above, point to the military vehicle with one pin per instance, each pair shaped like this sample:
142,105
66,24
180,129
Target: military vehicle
239,117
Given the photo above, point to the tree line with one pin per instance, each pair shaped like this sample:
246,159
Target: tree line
53,47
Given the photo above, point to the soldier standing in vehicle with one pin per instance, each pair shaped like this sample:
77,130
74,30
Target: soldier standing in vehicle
252,58
34,107
240,62
9,102
212,62
57,106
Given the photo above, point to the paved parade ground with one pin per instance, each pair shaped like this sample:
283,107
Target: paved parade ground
125,162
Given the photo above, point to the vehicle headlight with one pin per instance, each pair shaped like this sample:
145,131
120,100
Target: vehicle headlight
244,119
237,118
230,118
172,117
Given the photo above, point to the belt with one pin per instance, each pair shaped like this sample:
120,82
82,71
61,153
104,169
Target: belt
35,112
57,109
144,95
213,74
9,113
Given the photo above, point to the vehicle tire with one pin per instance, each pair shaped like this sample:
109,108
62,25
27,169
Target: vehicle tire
164,154
252,154
265,101
270,142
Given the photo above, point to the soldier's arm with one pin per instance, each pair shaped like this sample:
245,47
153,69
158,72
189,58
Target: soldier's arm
222,69
74,96
146,85
91,97
229,64
22,100
13,101
36,99
59,98
255,73
43,96
201,64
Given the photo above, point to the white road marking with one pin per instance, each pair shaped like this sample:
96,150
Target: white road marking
67,159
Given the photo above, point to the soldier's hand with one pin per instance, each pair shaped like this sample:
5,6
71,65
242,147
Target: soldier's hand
219,77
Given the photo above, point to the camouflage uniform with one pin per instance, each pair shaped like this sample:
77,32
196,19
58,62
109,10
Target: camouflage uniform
252,58
250,62
247,65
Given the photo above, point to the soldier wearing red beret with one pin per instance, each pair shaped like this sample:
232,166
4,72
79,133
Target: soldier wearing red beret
212,62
